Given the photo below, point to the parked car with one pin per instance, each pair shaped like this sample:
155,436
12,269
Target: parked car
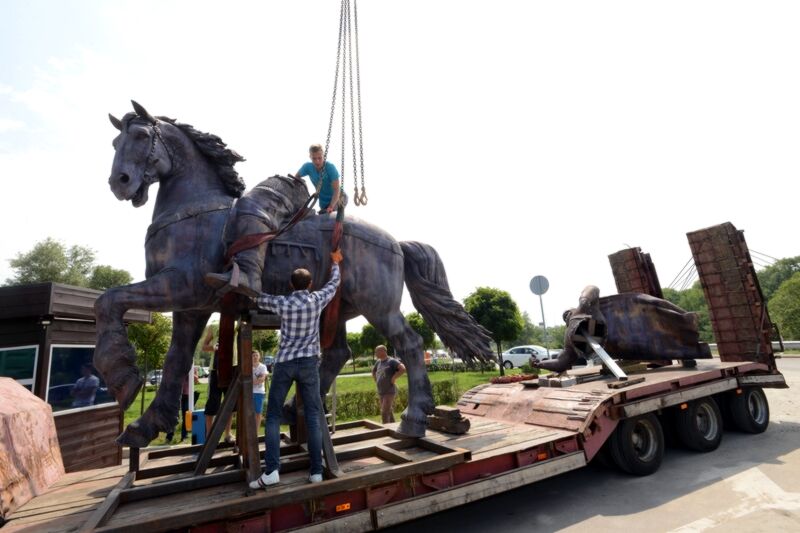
269,362
154,377
521,355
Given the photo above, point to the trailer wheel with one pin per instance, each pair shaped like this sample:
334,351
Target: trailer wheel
637,445
699,425
750,409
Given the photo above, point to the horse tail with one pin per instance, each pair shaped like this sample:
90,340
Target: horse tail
427,283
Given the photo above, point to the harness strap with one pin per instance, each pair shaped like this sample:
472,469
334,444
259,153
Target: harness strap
330,315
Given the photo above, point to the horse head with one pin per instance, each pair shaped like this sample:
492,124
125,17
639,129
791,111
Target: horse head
150,149
142,156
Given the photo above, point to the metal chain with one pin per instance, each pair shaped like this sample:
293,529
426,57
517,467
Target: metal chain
352,112
346,18
362,200
333,98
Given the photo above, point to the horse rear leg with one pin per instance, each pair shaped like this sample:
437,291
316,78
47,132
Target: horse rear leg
408,345
162,414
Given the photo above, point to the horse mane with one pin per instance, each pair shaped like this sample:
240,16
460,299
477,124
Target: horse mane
216,151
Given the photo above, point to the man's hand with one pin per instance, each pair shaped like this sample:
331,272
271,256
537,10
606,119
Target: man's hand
336,256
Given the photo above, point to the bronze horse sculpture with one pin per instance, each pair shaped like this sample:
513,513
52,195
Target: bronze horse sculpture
198,189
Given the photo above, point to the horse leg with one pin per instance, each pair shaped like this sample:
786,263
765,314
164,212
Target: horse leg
161,415
408,344
333,359
114,356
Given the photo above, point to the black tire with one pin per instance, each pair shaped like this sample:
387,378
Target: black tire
749,410
508,365
699,426
637,445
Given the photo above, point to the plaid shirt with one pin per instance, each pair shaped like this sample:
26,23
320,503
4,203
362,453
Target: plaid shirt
299,314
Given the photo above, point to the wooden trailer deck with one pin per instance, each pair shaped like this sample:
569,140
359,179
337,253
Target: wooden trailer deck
519,434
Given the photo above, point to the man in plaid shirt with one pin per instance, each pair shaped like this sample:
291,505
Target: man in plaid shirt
297,360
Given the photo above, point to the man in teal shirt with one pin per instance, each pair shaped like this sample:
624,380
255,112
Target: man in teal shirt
318,169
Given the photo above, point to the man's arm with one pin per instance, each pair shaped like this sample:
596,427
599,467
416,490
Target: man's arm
374,369
326,293
401,369
335,199
208,342
268,302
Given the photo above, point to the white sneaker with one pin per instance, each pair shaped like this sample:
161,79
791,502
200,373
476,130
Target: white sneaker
315,478
266,480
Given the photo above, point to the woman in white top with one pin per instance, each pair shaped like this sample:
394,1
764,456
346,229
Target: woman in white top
259,390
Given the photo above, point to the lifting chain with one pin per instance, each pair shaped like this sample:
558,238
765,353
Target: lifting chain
344,58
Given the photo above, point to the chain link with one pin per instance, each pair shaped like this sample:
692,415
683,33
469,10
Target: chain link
344,58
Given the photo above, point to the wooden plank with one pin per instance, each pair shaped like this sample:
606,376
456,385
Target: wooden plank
393,456
397,513
349,523
109,505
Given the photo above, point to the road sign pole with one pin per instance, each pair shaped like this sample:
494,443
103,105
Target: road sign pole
544,325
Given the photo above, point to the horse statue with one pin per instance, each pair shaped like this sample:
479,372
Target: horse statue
198,190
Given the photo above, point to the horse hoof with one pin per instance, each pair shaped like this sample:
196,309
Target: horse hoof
137,435
412,428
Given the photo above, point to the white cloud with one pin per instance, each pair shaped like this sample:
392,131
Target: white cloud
8,124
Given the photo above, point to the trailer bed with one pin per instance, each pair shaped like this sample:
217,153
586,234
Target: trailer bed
519,434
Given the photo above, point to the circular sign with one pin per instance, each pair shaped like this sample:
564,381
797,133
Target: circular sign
539,285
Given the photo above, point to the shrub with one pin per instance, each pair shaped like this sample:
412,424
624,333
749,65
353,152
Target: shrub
361,404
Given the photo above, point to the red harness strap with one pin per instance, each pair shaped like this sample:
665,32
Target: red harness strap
330,316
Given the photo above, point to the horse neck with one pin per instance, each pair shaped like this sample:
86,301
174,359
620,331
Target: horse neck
192,182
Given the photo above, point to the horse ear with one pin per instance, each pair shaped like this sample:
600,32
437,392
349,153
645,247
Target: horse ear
117,123
142,112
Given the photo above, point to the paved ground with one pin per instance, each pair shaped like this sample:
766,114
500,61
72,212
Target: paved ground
750,483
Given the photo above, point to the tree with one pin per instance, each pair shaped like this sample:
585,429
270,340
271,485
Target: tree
50,260
419,325
694,300
774,275
784,307
151,341
354,341
370,338
265,340
104,277
495,310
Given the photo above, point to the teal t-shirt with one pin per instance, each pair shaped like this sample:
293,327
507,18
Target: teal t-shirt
331,175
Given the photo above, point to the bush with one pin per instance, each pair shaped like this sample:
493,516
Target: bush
361,404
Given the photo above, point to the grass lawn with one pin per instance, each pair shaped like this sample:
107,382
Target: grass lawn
465,380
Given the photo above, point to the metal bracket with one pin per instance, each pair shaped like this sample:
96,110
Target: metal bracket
594,342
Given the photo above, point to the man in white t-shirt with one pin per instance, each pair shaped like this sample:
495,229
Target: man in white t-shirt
259,389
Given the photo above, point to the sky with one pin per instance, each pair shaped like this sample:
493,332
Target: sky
517,138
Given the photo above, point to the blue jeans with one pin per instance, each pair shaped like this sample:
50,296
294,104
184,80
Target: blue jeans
304,371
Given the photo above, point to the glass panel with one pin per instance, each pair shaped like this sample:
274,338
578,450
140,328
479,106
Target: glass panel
18,363
74,382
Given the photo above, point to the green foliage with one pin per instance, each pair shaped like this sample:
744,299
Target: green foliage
265,341
533,334
364,403
774,275
419,325
784,307
104,277
354,341
495,310
51,261
151,341
370,338
692,299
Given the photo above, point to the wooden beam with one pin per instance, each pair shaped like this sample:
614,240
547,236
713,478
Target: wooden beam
225,413
109,505
188,466
246,430
156,490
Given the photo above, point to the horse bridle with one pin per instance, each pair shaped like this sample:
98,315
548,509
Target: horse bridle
154,178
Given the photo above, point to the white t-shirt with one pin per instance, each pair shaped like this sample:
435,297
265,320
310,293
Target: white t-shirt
260,370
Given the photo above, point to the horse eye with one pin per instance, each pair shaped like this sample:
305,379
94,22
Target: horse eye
140,135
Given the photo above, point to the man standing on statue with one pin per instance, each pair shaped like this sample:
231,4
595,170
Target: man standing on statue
318,170
297,360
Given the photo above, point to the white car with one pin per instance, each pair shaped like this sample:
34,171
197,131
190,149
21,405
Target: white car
521,355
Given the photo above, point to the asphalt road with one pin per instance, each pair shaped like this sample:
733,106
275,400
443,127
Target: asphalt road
750,483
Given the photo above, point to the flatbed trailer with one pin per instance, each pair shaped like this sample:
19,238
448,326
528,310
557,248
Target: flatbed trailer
519,434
